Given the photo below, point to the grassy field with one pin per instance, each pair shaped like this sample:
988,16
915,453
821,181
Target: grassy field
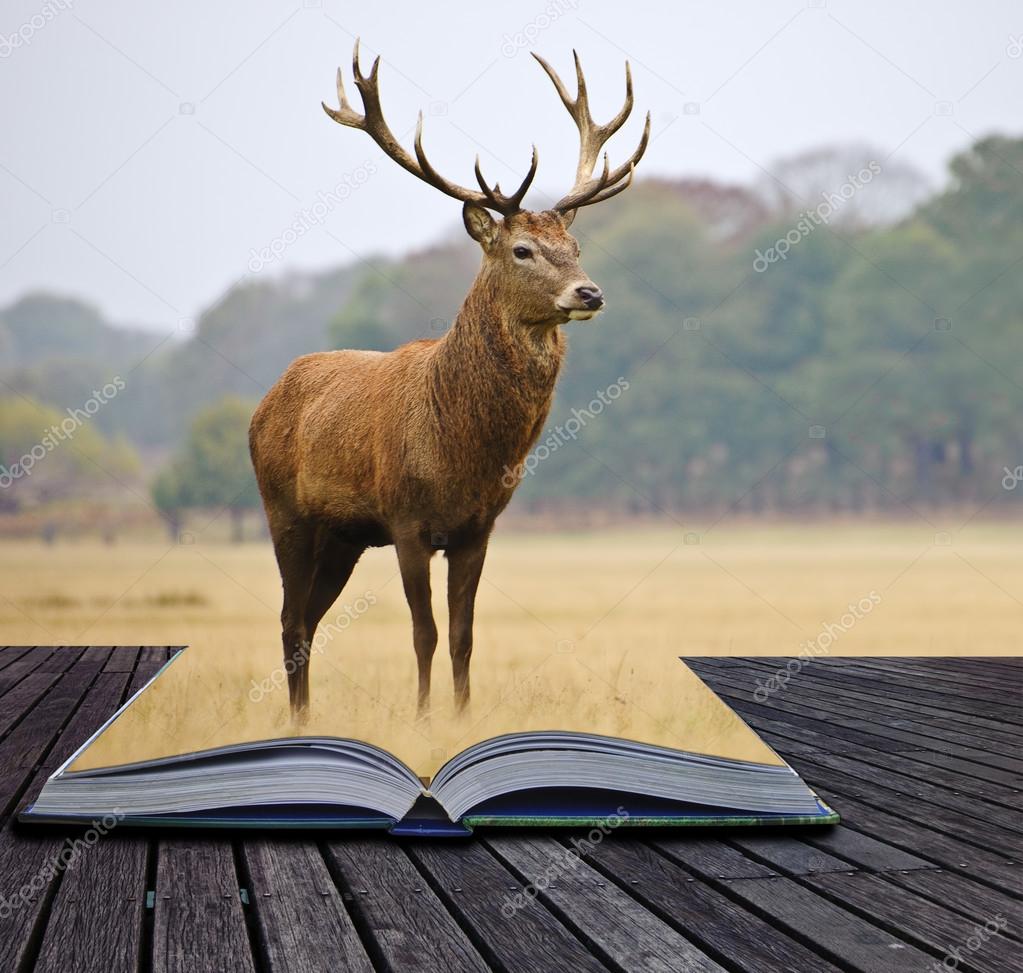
554,614
753,590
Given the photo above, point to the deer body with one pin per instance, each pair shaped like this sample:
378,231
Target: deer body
418,447
420,439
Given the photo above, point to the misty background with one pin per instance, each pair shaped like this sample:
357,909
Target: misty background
814,285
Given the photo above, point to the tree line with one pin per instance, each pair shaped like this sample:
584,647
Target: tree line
837,338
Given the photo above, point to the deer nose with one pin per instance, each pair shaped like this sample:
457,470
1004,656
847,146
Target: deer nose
591,296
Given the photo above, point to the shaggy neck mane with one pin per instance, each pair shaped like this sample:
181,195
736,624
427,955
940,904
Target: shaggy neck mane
493,376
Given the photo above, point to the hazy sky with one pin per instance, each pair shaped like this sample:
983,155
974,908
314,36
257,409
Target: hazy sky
148,151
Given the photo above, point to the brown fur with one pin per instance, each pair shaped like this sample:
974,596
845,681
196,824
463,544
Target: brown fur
413,447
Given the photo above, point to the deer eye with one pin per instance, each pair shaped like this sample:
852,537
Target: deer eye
522,252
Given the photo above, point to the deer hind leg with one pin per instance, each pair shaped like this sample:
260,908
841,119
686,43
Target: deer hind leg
335,561
294,545
414,562
465,564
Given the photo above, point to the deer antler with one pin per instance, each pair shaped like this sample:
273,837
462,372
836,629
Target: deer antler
592,137
372,122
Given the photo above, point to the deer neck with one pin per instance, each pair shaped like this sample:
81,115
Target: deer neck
494,376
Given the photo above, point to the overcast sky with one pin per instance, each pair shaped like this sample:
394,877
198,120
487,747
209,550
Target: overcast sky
148,151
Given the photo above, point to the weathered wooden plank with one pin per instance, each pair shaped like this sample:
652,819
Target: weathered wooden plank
984,865
926,687
920,690
29,862
150,661
974,827
101,699
62,657
842,690
198,923
22,697
837,933
26,744
10,653
988,682
881,782
95,921
832,723
792,740
616,926
21,667
922,921
122,659
482,893
704,915
964,895
96,915
951,762
786,854
865,851
303,924
711,857
979,678
398,911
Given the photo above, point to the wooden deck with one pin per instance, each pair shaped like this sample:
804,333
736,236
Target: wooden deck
920,756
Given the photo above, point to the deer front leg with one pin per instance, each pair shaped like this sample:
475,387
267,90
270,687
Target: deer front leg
414,563
465,564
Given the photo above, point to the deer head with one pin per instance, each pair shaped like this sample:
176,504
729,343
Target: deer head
531,258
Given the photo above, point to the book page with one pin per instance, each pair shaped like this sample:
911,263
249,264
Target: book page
204,700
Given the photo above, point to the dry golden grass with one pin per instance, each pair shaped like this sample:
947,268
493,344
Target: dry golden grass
207,700
547,602
752,590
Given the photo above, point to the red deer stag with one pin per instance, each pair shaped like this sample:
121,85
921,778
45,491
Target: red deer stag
354,449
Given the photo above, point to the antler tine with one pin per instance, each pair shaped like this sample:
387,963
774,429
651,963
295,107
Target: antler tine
500,202
520,193
435,179
592,138
373,124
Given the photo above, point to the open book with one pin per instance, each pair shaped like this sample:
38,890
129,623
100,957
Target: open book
632,740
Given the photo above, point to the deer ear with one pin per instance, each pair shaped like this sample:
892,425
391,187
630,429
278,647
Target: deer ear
568,217
480,225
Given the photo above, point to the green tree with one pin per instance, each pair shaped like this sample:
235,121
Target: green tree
212,469
49,457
